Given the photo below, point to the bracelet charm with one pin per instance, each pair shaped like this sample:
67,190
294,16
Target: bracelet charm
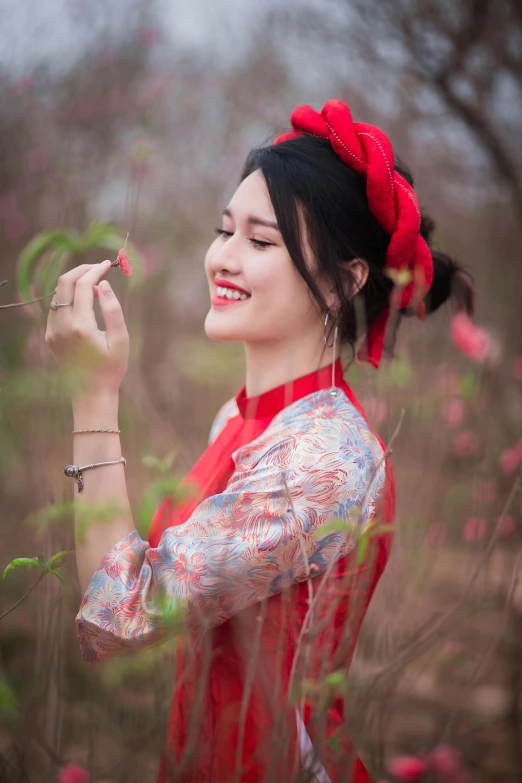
73,471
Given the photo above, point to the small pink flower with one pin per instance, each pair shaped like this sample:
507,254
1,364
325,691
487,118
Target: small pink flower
22,85
72,773
470,339
484,491
517,367
505,525
36,160
148,35
474,528
123,262
510,459
451,649
436,535
446,764
407,768
465,444
453,412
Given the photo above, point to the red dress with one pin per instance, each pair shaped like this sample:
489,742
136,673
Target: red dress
267,532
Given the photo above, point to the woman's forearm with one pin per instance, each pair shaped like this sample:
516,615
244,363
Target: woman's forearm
102,485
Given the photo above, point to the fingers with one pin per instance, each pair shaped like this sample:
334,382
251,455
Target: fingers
64,292
84,293
116,332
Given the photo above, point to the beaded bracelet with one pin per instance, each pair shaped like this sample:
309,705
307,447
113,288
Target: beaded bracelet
77,432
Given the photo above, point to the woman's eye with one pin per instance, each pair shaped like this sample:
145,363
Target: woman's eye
256,242
222,232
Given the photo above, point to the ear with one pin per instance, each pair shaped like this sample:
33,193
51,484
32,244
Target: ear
360,270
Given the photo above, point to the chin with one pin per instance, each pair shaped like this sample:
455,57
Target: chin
220,331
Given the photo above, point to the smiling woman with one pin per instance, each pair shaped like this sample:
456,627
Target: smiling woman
273,558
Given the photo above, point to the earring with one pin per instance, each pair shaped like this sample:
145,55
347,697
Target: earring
333,392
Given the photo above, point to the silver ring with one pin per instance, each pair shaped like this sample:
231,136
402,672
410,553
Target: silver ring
54,305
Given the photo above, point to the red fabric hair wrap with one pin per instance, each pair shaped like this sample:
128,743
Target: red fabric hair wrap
392,201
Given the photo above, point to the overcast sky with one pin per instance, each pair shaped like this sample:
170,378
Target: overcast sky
55,31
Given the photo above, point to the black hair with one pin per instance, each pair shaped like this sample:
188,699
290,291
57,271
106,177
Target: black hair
305,175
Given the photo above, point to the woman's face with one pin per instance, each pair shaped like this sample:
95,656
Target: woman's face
251,255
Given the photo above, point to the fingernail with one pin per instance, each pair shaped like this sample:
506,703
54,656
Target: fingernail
105,287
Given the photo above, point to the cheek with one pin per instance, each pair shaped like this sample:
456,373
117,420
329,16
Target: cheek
280,293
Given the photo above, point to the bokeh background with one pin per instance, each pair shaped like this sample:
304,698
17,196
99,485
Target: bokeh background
140,113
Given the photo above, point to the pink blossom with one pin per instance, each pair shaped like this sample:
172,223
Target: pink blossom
453,412
510,459
22,85
123,262
36,160
376,409
517,367
148,35
407,768
470,339
451,649
445,763
465,444
474,528
484,491
505,525
72,773
436,535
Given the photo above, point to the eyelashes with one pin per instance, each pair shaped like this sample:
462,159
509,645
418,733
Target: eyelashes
256,242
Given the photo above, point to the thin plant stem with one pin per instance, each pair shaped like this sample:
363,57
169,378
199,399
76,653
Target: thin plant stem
25,595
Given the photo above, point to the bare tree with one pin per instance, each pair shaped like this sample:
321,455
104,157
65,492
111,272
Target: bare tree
461,56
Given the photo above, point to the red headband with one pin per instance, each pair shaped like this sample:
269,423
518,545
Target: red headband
392,201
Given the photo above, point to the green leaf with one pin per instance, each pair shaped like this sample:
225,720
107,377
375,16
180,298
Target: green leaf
362,548
95,235
58,556
61,579
335,679
469,384
401,373
30,562
381,529
8,703
46,241
337,525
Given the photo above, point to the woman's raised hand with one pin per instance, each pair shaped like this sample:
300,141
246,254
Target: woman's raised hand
100,358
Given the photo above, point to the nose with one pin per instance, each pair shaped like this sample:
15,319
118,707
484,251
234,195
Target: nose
224,257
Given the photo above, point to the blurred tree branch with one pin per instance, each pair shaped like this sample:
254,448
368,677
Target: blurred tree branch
465,52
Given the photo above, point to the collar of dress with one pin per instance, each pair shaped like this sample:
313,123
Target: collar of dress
274,400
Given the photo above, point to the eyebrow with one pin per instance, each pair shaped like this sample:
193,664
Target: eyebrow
254,220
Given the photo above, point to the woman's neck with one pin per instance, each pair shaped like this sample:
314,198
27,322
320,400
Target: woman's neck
271,365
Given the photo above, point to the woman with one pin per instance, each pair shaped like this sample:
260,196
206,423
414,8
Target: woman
264,572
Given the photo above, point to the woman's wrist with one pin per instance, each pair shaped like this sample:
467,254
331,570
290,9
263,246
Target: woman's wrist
97,411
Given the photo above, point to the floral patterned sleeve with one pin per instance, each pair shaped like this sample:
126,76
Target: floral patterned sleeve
240,546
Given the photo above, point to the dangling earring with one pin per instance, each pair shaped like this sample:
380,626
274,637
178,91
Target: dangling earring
333,392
